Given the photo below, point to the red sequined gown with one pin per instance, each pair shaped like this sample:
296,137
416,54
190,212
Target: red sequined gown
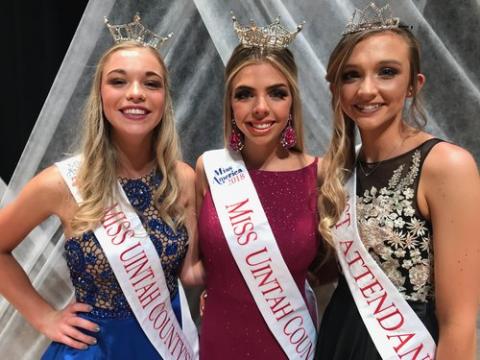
232,326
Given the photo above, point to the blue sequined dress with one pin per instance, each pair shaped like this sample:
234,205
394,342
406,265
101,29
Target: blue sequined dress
120,335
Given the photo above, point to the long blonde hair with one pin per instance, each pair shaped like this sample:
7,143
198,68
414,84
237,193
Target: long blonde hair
282,60
97,174
338,163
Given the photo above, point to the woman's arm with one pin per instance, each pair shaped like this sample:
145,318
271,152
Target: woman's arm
45,195
201,184
451,186
192,273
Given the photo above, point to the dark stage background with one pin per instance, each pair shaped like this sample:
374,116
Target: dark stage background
36,37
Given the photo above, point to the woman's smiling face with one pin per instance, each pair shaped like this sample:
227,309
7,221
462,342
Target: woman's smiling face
261,103
133,92
375,81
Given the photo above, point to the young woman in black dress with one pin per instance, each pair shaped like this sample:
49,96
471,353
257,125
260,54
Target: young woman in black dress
417,202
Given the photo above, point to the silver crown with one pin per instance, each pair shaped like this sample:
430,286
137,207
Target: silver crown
274,36
371,17
135,31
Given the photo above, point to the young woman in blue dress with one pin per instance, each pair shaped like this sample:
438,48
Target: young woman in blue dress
129,149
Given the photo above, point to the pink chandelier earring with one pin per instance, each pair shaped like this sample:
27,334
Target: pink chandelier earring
288,139
236,141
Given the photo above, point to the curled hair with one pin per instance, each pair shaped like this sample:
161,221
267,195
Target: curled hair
97,174
339,160
280,59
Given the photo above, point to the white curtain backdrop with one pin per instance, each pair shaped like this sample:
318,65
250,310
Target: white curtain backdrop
203,41
3,187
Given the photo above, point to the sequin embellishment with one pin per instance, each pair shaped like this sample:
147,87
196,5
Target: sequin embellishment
91,274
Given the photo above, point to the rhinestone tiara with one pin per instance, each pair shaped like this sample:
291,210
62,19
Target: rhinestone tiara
371,17
274,36
135,31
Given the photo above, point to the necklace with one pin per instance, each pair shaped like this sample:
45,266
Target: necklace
370,171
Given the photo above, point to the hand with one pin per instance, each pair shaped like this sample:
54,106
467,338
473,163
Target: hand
203,299
63,326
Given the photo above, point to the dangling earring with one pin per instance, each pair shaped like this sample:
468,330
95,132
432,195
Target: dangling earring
235,142
288,139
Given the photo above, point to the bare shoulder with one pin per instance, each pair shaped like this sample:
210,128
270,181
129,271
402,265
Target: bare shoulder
201,182
307,158
44,195
447,161
449,172
200,177
310,159
185,173
199,167
51,177
48,186
186,182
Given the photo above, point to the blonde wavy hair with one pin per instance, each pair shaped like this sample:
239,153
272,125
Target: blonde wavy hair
338,163
283,61
97,174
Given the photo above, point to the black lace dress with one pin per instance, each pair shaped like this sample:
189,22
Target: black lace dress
399,239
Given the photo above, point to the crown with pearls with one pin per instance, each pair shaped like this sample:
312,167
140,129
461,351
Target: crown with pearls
274,36
135,31
371,17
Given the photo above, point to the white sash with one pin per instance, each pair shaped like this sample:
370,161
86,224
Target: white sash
394,327
255,250
136,265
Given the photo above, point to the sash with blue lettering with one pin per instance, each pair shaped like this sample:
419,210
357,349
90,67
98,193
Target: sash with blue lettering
257,255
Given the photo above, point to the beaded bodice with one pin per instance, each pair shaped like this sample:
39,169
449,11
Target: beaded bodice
91,274
391,226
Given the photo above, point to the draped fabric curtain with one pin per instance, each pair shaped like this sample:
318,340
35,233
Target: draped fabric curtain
3,187
203,41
